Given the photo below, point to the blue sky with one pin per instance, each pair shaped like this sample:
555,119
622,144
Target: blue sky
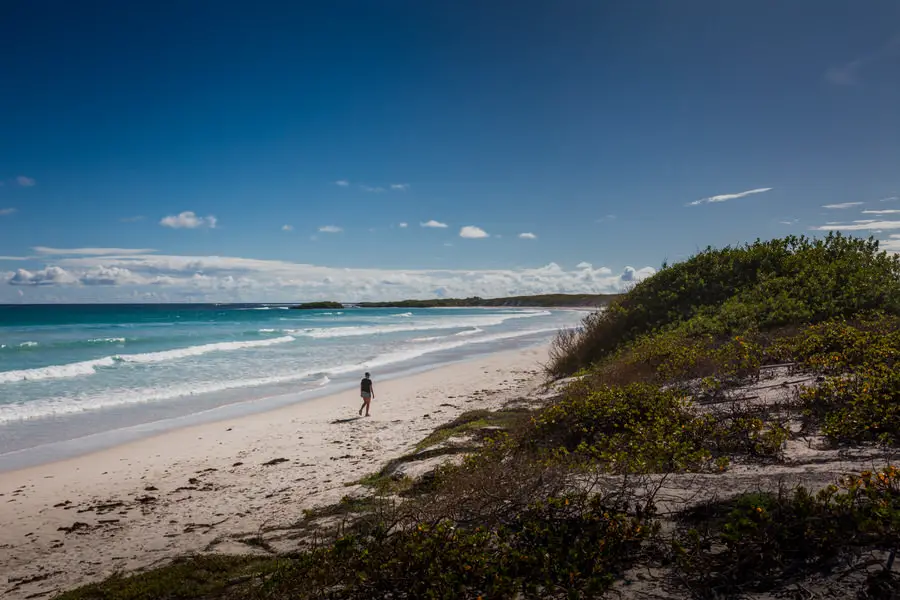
158,150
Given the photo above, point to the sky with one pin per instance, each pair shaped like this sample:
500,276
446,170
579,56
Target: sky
357,150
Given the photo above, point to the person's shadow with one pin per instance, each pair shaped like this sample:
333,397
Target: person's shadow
350,420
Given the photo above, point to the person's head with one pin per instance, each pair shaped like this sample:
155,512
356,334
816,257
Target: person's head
367,375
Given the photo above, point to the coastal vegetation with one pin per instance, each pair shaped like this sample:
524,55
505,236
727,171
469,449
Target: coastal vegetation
539,300
534,301
645,465
318,306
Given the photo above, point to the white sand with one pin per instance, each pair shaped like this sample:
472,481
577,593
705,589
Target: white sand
184,491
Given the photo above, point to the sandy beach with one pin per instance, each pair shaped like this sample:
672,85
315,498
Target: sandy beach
198,489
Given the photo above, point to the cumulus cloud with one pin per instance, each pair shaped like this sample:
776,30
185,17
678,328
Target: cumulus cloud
472,232
25,181
46,251
7,211
342,182
46,276
110,276
528,236
584,265
433,223
404,225
188,220
233,279
863,225
841,205
330,229
726,197
399,187
287,227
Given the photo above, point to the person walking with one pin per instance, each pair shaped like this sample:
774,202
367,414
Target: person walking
367,391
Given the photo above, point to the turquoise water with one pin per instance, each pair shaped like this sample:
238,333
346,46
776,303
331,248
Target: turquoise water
84,369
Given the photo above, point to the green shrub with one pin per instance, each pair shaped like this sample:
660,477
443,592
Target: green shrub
759,541
859,398
741,290
862,407
559,547
642,428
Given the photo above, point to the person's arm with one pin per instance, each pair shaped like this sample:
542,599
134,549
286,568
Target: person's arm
372,390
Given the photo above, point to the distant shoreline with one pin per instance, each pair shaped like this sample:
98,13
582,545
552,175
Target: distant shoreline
575,301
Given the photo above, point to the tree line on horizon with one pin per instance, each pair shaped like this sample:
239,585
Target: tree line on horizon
540,300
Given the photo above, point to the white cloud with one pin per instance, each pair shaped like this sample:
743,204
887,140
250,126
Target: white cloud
46,276
891,211
7,211
110,276
330,229
25,181
134,219
859,226
404,225
726,197
433,223
448,244
606,218
232,279
890,199
789,222
44,250
584,265
188,220
342,182
400,187
287,227
472,232
842,205
527,236
369,188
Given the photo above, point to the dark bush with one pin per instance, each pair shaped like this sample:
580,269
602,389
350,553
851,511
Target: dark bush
760,541
558,547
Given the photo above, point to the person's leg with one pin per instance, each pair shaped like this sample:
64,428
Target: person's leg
364,404
368,401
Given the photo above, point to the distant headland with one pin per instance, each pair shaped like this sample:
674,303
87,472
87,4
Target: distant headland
542,300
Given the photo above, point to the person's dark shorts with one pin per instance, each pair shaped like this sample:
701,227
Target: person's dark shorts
366,395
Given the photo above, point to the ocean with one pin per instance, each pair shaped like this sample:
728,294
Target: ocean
74,378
